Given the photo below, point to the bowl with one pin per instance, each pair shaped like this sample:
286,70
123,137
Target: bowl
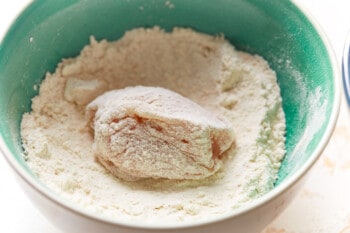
280,31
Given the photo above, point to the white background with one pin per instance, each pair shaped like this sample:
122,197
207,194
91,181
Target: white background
323,206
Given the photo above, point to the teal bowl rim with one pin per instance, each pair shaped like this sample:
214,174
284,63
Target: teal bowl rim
282,188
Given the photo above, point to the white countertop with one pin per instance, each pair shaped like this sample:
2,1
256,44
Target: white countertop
322,206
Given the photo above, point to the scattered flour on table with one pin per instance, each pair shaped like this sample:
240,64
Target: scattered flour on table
57,139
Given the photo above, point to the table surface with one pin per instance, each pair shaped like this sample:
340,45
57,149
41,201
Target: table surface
323,204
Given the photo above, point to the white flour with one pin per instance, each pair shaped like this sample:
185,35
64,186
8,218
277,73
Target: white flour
209,71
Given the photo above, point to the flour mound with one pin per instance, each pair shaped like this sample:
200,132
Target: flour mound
207,70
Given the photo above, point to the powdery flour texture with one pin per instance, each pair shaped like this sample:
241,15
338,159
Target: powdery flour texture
57,139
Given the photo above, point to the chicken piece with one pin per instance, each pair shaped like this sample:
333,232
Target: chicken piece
151,132
83,92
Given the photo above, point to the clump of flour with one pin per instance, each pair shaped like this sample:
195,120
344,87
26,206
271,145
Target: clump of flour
241,87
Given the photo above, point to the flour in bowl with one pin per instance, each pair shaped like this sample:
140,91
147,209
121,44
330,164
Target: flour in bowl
207,70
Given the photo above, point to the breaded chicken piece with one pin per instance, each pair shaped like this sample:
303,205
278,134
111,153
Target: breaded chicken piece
151,132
